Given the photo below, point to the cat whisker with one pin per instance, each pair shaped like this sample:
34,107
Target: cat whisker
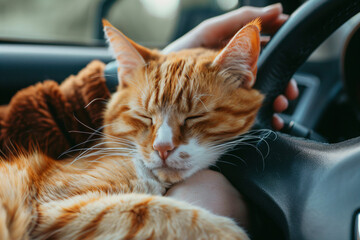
83,132
108,156
203,104
103,153
96,132
215,166
263,133
97,145
124,146
247,140
230,163
114,139
92,148
96,99
259,152
100,128
77,145
108,149
102,75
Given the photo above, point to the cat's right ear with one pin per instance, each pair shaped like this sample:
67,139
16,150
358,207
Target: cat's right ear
128,54
240,55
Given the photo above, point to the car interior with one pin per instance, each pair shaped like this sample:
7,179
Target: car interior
303,181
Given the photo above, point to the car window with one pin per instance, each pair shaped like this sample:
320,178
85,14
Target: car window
151,22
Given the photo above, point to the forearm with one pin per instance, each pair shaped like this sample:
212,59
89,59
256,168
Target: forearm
190,40
212,191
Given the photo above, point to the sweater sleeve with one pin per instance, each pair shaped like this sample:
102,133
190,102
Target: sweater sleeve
53,118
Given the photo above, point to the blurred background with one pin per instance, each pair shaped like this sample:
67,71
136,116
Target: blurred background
153,23
51,39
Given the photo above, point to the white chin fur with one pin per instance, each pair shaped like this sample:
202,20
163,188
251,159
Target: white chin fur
185,160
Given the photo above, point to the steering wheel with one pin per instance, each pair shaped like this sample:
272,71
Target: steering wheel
309,189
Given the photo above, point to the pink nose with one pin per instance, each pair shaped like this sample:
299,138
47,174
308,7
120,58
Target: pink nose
164,150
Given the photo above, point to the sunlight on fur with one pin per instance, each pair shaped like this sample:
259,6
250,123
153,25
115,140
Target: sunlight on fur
171,116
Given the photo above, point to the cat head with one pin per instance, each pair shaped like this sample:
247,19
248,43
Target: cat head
177,110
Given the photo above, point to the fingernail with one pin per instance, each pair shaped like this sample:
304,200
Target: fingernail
277,122
265,38
284,17
280,103
295,88
272,7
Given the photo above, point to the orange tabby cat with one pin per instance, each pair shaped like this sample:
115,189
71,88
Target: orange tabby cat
170,117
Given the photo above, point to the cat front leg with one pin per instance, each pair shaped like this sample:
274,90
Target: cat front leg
148,186
146,182
130,216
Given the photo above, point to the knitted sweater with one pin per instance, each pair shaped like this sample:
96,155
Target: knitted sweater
52,118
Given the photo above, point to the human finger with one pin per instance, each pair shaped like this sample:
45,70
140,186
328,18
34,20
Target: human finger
292,90
264,40
226,25
280,104
277,122
271,24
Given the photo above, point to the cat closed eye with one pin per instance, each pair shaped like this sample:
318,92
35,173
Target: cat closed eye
148,118
193,117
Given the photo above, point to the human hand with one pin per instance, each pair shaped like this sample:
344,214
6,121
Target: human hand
281,103
215,33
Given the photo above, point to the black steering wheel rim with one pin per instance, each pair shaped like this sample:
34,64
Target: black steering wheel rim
305,30
309,189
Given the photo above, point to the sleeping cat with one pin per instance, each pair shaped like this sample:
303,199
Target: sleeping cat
171,116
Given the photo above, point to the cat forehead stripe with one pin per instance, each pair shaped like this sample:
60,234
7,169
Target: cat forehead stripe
172,85
164,134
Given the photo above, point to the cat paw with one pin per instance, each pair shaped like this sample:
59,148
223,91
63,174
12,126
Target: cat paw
149,187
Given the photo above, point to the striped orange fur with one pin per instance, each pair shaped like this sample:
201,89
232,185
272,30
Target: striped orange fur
171,116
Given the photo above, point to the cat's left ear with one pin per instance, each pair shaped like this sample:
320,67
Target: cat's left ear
129,55
240,55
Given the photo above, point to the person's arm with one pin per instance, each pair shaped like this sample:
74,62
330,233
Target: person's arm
215,32
212,191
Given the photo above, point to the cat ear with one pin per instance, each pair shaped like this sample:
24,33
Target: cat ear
128,54
240,55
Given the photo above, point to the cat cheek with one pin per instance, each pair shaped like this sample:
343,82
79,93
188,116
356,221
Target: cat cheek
148,122
145,155
184,155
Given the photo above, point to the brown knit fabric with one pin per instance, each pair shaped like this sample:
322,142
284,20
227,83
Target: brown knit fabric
51,116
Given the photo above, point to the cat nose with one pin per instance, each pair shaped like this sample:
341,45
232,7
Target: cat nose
164,150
